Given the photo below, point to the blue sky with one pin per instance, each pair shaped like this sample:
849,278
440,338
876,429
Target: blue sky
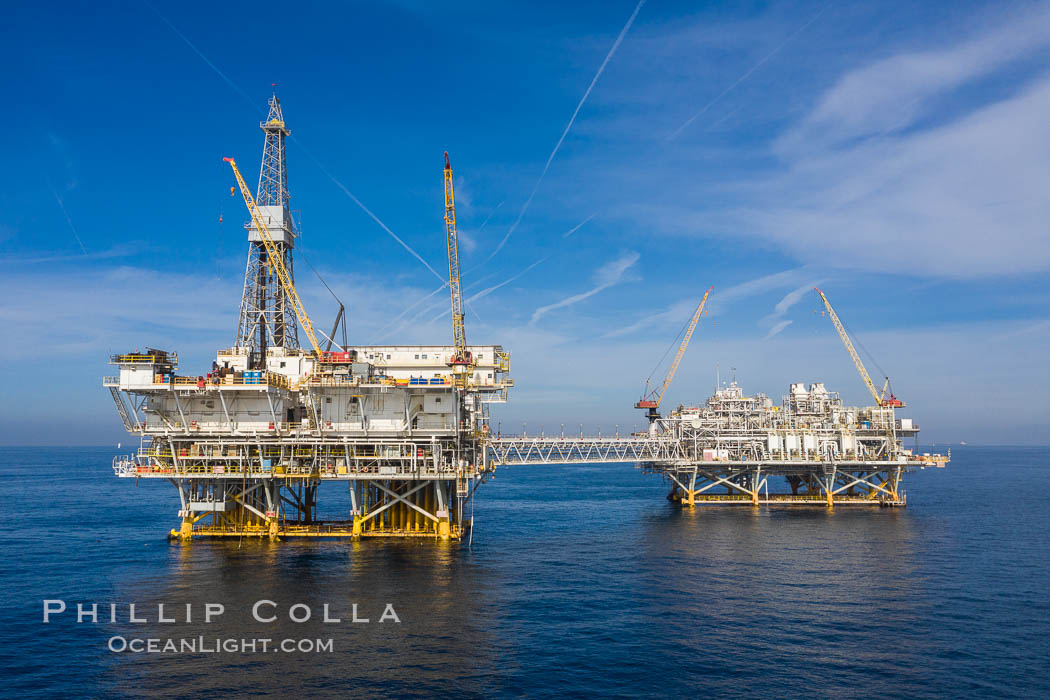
896,154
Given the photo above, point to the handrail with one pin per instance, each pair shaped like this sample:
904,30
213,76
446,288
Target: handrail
144,358
268,379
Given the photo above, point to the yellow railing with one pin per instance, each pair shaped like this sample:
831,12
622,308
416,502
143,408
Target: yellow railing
279,380
143,358
270,379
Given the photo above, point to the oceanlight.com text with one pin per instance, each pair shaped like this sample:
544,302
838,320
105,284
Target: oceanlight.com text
216,645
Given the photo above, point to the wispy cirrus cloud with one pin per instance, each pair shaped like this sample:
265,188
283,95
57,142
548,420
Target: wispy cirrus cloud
892,93
871,181
924,162
776,320
962,200
777,327
606,276
673,313
718,301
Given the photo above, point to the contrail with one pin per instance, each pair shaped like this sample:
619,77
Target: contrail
365,209
491,214
572,120
488,290
312,157
746,75
607,275
407,310
203,57
577,227
428,296
482,228
69,219
725,116
424,312
478,281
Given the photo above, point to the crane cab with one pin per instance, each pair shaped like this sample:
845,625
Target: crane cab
463,358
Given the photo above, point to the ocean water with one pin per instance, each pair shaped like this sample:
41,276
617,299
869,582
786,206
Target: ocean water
580,580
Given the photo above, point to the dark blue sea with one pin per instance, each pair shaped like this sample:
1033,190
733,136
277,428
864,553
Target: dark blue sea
581,580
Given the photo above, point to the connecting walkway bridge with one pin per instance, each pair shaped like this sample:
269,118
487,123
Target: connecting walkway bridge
512,450
827,482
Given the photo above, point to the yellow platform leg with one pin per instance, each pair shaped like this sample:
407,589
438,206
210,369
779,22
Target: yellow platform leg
356,532
185,530
444,529
273,529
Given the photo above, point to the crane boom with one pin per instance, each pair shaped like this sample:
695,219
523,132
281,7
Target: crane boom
459,335
340,317
276,259
880,399
653,399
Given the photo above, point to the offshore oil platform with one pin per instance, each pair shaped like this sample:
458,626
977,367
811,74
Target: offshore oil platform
248,444
727,451
406,428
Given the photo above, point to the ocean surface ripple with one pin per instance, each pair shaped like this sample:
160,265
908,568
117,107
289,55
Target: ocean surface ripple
581,580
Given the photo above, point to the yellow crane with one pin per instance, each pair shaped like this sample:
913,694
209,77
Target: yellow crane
275,259
459,335
652,399
881,399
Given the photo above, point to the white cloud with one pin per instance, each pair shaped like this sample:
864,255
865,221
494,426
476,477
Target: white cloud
607,275
792,298
777,328
193,314
718,301
928,163
962,196
675,312
776,280
892,93
775,320
1039,327
966,199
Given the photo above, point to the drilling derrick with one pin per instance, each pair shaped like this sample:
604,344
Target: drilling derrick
257,443
267,319
254,443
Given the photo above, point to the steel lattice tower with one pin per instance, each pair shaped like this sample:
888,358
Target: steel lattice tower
266,317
